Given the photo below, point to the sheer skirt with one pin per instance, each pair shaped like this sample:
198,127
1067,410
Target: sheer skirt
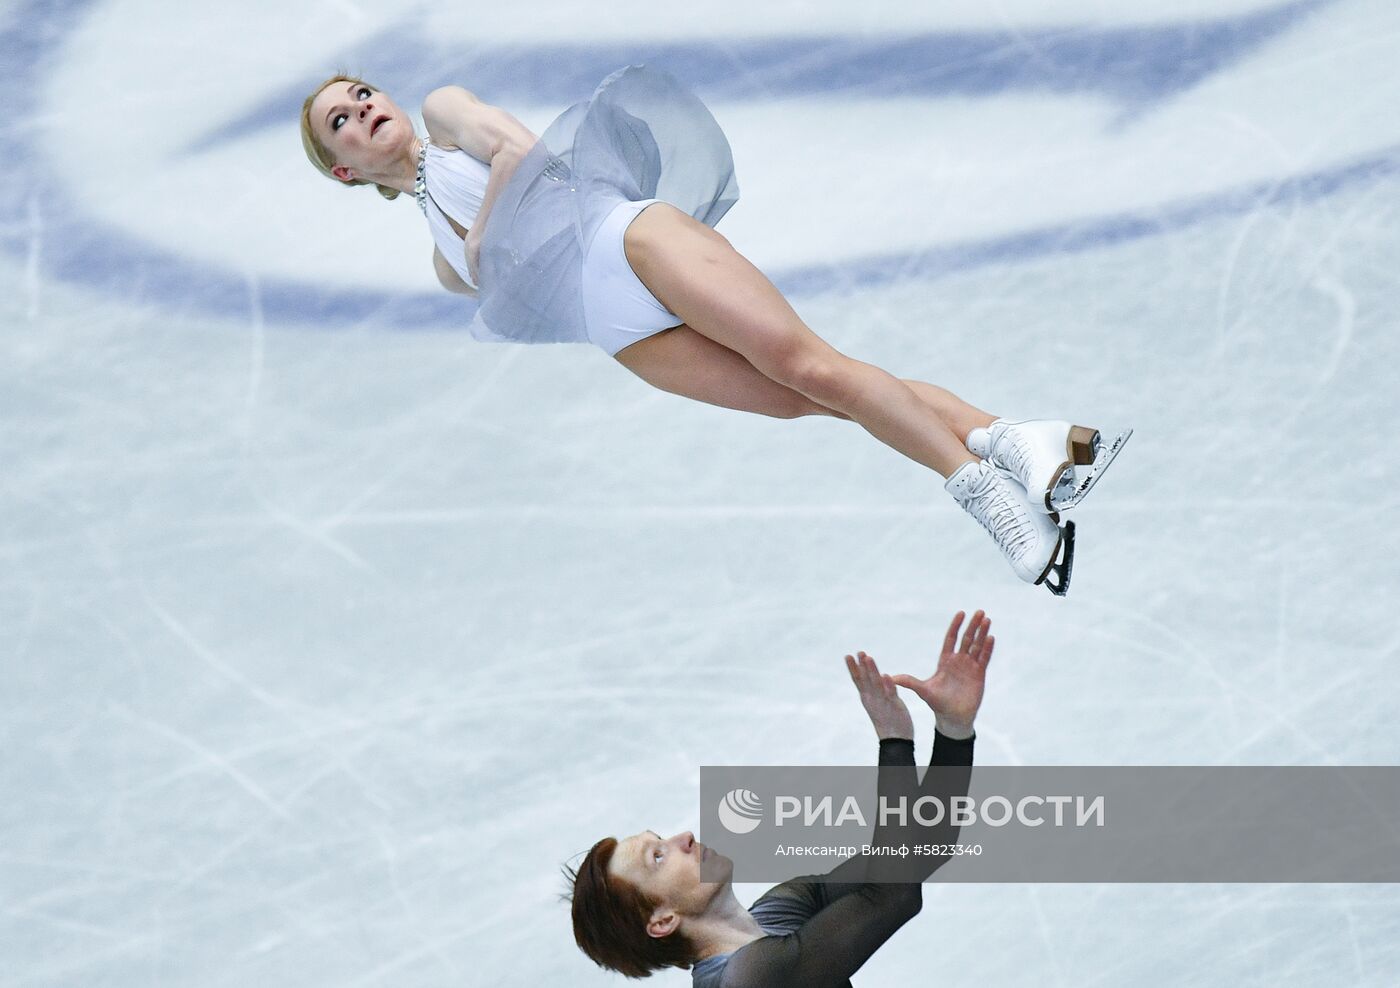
640,136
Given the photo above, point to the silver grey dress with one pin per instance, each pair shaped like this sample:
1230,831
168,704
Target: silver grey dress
641,135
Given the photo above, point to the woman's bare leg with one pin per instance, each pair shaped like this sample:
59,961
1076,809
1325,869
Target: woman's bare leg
686,363
956,414
694,272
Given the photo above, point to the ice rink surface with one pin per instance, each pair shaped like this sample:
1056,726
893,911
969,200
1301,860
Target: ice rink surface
328,634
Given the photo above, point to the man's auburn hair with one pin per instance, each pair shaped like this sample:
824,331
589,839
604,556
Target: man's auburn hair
610,920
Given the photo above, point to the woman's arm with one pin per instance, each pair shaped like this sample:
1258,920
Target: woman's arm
489,134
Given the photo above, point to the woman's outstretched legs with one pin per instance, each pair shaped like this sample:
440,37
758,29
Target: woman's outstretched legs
694,272
766,355
686,363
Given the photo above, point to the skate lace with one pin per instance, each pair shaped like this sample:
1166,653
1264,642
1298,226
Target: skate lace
1014,452
999,514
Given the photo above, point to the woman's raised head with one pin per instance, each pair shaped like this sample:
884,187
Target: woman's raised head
343,132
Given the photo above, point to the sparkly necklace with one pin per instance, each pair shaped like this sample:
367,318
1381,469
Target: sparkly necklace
420,185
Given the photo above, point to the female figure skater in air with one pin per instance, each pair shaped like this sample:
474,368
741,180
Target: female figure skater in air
643,903
602,232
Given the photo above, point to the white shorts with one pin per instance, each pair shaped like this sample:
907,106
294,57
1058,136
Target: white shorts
618,310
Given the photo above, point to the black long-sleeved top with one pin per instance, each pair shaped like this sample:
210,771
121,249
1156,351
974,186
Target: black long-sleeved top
822,929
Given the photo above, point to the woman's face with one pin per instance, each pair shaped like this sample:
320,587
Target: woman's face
669,870
362,129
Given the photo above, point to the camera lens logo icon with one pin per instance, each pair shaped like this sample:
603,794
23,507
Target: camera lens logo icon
740,811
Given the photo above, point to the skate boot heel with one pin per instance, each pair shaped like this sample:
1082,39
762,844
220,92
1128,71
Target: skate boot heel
1083,445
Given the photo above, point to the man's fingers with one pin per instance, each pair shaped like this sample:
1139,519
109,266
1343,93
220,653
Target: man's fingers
866,674
982,629
986,655
971,632
913,683
951,638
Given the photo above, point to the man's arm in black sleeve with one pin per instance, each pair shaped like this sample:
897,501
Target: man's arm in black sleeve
852,916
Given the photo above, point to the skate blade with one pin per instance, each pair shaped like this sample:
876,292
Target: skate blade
1061,571
1073,485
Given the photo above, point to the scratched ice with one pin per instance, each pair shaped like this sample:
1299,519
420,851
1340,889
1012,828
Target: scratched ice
328,634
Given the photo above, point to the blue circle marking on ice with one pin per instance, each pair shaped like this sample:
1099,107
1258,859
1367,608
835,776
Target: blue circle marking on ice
740,811
1136,67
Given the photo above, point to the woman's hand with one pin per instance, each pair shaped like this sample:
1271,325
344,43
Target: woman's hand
954,691
887,711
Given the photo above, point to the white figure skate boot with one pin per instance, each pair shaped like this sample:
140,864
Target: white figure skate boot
1030,540
1056,462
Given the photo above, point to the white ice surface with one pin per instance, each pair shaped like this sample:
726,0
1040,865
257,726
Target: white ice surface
322,649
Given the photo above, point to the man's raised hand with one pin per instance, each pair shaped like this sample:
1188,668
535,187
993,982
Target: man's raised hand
954,691
888,714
